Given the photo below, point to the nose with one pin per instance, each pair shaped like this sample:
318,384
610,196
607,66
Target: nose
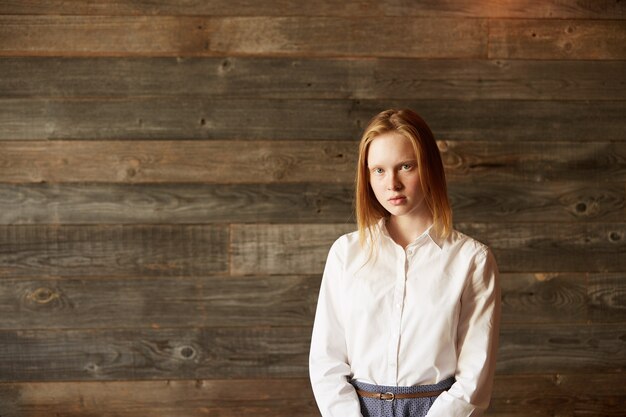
394,183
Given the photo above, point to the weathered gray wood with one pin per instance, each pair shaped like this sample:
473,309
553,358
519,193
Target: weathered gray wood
288,78
599,9
255,35
204,118
276,352
193,353
518,395
157,302
175,204
519,247
293,203
557,39
236,162
541,247
115,250
216,301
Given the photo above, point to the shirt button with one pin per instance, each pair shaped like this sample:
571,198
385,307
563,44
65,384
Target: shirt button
410,251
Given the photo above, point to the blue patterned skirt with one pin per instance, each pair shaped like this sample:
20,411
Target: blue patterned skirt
406,407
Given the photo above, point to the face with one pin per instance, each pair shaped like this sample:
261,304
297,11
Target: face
394,176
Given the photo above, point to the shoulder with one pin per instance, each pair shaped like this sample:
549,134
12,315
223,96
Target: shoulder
460,244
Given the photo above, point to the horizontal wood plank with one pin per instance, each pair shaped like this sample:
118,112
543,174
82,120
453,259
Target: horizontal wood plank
518,247
604,9
519,395
267,352
216,301
157,302
287,78
261,162
472,201
116,250
205,118
256,35
557,39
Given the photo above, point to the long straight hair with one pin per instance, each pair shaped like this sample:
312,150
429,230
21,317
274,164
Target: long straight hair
430,168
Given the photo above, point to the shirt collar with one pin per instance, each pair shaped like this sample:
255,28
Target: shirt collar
429,232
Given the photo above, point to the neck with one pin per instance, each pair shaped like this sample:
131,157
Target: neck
404,230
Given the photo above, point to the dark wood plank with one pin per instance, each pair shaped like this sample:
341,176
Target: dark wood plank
157,302
256,35
607,297
288,78
518,395
519,247
590,394
602,9
218,161
115,250
557,39
190,398
561,349
268,352
293,203
204,118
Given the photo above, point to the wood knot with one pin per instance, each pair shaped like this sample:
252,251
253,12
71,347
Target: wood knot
615,236
186,352
43,295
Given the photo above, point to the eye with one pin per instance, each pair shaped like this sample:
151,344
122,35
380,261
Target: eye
406,167
377,171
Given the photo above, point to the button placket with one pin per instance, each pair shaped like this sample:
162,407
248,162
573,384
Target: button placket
396,315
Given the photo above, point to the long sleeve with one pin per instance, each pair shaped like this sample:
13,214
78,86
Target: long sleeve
477,343
328,360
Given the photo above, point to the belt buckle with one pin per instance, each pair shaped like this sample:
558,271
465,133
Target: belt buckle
390,396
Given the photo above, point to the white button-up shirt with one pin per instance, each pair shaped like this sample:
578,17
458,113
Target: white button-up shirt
406,317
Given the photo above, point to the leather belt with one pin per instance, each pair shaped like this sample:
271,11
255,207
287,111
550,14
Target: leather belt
390,396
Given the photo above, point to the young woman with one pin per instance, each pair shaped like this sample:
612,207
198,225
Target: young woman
408,311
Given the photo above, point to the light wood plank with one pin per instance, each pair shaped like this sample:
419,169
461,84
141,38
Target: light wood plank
601,9
195,36
204,118
288,78
241,162
519,247
557,39
115,250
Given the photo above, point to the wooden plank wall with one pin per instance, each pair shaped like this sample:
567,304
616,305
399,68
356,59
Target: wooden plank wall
173,173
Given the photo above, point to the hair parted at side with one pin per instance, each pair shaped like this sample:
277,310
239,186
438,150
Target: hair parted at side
430,167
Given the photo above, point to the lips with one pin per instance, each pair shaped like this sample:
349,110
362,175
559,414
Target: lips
397,200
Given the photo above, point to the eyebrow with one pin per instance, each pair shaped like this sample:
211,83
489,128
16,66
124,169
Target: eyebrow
408,161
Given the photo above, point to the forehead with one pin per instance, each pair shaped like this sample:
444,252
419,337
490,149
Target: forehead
390,148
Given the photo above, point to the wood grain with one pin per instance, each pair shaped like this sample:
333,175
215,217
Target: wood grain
256,35
308,78
216,301
557,39
519,247
205,118
519,395
267,352
157,302
245,162
293,203
112,250
603,9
